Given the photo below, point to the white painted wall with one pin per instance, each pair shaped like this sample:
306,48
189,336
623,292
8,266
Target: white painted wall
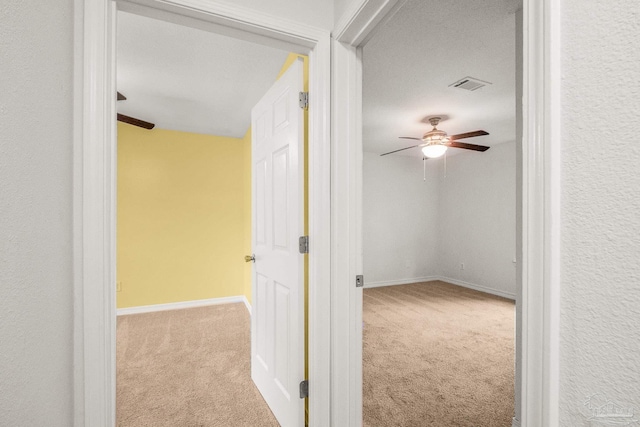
415,230
36,302
600,306
477,218
317,13
471,216
400,228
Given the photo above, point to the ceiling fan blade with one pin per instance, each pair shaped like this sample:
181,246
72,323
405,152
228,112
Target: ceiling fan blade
469,134
410,137
402,149
135,122
121,97
466,146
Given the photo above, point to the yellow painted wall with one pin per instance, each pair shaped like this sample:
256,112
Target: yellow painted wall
181,229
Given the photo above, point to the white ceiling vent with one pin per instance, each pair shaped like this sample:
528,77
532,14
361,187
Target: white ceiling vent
469,83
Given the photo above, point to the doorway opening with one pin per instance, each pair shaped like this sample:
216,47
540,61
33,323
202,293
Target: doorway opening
96,327
537,268
444,228
183,288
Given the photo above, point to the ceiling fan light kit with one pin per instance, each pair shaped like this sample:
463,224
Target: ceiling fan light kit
434,140
434,150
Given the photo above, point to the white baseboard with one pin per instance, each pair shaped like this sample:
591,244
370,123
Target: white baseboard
247,304
503,294
462,283
183,304
515,422
399,281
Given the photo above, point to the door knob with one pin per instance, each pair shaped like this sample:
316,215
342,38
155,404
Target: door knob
249,258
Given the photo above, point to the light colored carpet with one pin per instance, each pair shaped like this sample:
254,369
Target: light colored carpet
187,368
436,354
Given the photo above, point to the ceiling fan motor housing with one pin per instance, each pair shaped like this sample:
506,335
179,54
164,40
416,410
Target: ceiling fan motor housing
435,136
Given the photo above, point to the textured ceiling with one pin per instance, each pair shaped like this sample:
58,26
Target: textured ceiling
426,46
191,80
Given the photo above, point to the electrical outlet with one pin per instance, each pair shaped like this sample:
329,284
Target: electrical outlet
118,286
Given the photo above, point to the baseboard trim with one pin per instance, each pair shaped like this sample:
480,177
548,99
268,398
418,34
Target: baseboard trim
247,304
480,288
515,422
183,304
399,281
456,282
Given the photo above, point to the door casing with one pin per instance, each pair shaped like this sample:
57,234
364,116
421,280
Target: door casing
538,198
94,179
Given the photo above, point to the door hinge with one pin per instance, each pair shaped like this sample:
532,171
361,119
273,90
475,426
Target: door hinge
303,244
304,100
359,281
304,389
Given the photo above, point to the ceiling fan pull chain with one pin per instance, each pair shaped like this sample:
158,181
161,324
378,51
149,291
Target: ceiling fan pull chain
424,168
445,165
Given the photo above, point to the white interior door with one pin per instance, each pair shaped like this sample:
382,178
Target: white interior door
277,322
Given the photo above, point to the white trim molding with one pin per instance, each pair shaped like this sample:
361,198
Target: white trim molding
247,304
481,288
515,422
320,246
469,285
399,281
346,237
541,188
357,25
94,185
180,305
94,213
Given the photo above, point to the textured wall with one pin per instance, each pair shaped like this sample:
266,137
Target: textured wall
400,211
600,337
340,8
318,13
477,218
36,307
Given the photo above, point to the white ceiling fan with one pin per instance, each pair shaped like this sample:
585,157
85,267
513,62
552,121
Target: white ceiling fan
436,142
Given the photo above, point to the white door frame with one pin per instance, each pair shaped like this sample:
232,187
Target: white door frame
94,178
537,377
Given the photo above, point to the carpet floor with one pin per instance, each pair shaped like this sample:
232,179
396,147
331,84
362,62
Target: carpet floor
436,354
187,368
